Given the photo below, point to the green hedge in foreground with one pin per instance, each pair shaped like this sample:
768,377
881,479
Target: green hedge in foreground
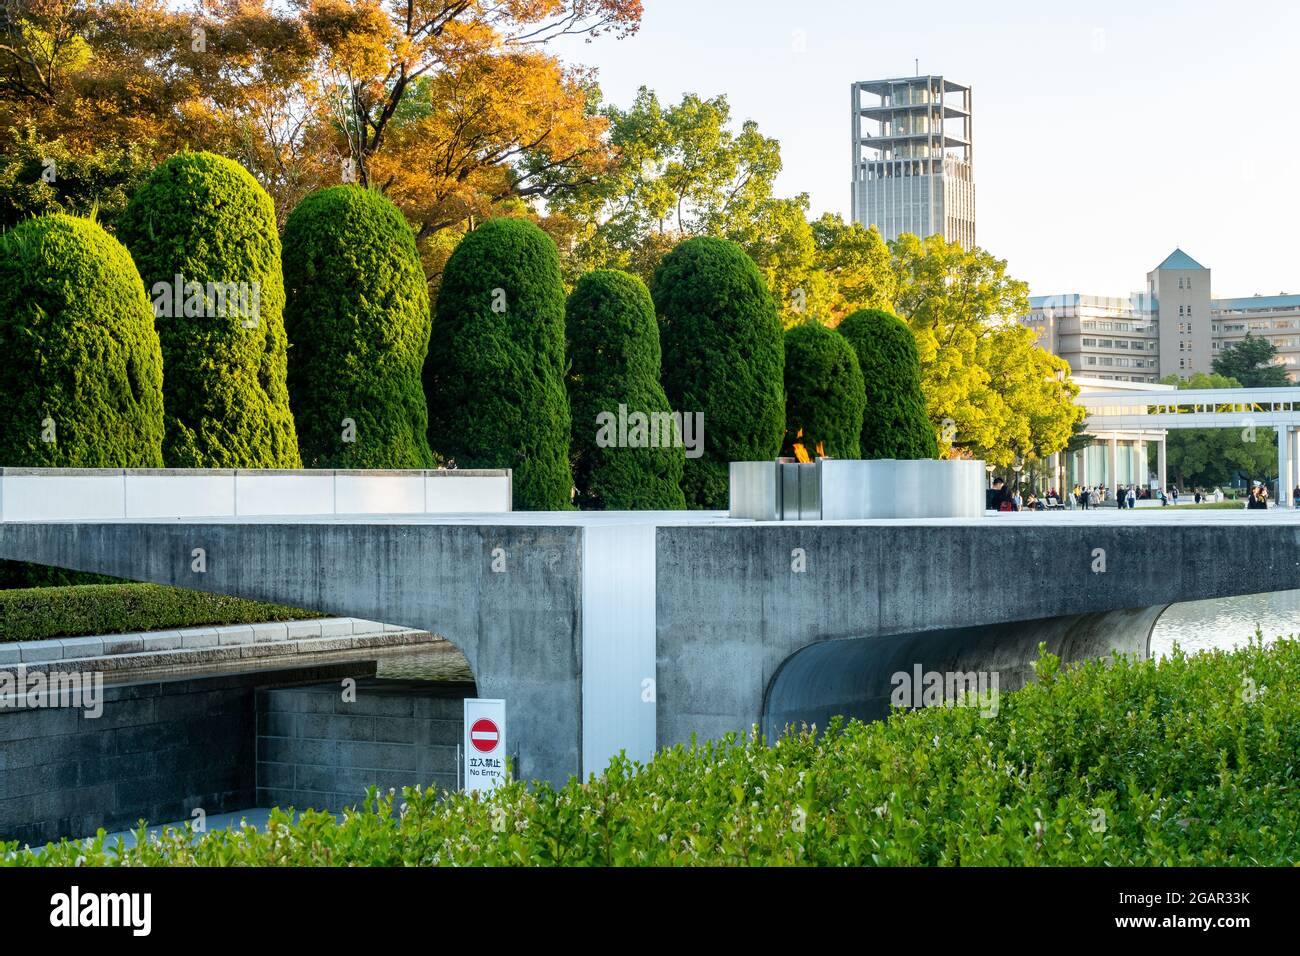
37,613
1189,762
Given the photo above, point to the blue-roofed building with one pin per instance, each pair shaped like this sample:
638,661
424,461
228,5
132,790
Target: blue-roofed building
1173,327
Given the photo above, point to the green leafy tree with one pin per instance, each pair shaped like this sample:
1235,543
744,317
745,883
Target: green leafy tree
203,234
1253,363
681,171
856,262
824,392
614,368
1031,396
895,424
39,177
954,298
494,378
1211,457
81,380
357,318
723,356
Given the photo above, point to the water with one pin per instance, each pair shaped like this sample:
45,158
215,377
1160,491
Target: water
1226,623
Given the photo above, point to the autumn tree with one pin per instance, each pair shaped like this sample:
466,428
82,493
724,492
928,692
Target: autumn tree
451,108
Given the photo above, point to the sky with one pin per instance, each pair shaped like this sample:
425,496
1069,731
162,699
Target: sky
1105,134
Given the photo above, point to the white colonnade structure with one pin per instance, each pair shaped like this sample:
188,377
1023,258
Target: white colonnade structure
1146,413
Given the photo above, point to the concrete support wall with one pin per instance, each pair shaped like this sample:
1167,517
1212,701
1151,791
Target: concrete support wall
157,752
520,629
315,749
731,611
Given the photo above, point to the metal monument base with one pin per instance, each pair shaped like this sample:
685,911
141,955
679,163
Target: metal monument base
844,490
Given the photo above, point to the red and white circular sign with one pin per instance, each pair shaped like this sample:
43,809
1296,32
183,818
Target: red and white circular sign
484,735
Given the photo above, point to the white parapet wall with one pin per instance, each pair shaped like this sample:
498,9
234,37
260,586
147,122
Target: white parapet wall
88,494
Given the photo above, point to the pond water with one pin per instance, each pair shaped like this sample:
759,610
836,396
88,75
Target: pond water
1226,623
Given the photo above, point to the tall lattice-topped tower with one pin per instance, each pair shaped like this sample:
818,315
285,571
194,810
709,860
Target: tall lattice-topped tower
912,158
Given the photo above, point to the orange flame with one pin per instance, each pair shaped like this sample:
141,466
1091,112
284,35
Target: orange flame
800,452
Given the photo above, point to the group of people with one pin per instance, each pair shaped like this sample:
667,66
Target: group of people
1001,497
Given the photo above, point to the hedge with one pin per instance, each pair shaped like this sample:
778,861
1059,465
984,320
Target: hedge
494,378
895,424
1112,763
203,218
81,380
614,366
824,393
36,614
357,318
723,356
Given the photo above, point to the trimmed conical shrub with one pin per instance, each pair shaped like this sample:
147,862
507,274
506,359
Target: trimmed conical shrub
81,380
357,316
494,379
895,424
627,450
203,235
824,393
722,356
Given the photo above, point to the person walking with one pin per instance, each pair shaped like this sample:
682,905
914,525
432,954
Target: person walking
1085,497
1132,497
1120,497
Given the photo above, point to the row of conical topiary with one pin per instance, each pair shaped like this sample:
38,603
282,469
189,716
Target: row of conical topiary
176,351
201,370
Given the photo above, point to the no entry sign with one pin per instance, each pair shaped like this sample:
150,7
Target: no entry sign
485,744
484,735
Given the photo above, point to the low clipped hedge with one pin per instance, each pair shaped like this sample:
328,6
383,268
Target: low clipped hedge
34,614
1131,763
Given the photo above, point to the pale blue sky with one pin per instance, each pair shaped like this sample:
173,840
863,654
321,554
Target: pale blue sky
1104,137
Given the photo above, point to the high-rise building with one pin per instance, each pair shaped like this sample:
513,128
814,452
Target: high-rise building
912,161
1174,327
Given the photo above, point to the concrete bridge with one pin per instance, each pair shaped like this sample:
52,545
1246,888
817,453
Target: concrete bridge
609,631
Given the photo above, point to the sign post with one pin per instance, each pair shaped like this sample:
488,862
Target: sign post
485,744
